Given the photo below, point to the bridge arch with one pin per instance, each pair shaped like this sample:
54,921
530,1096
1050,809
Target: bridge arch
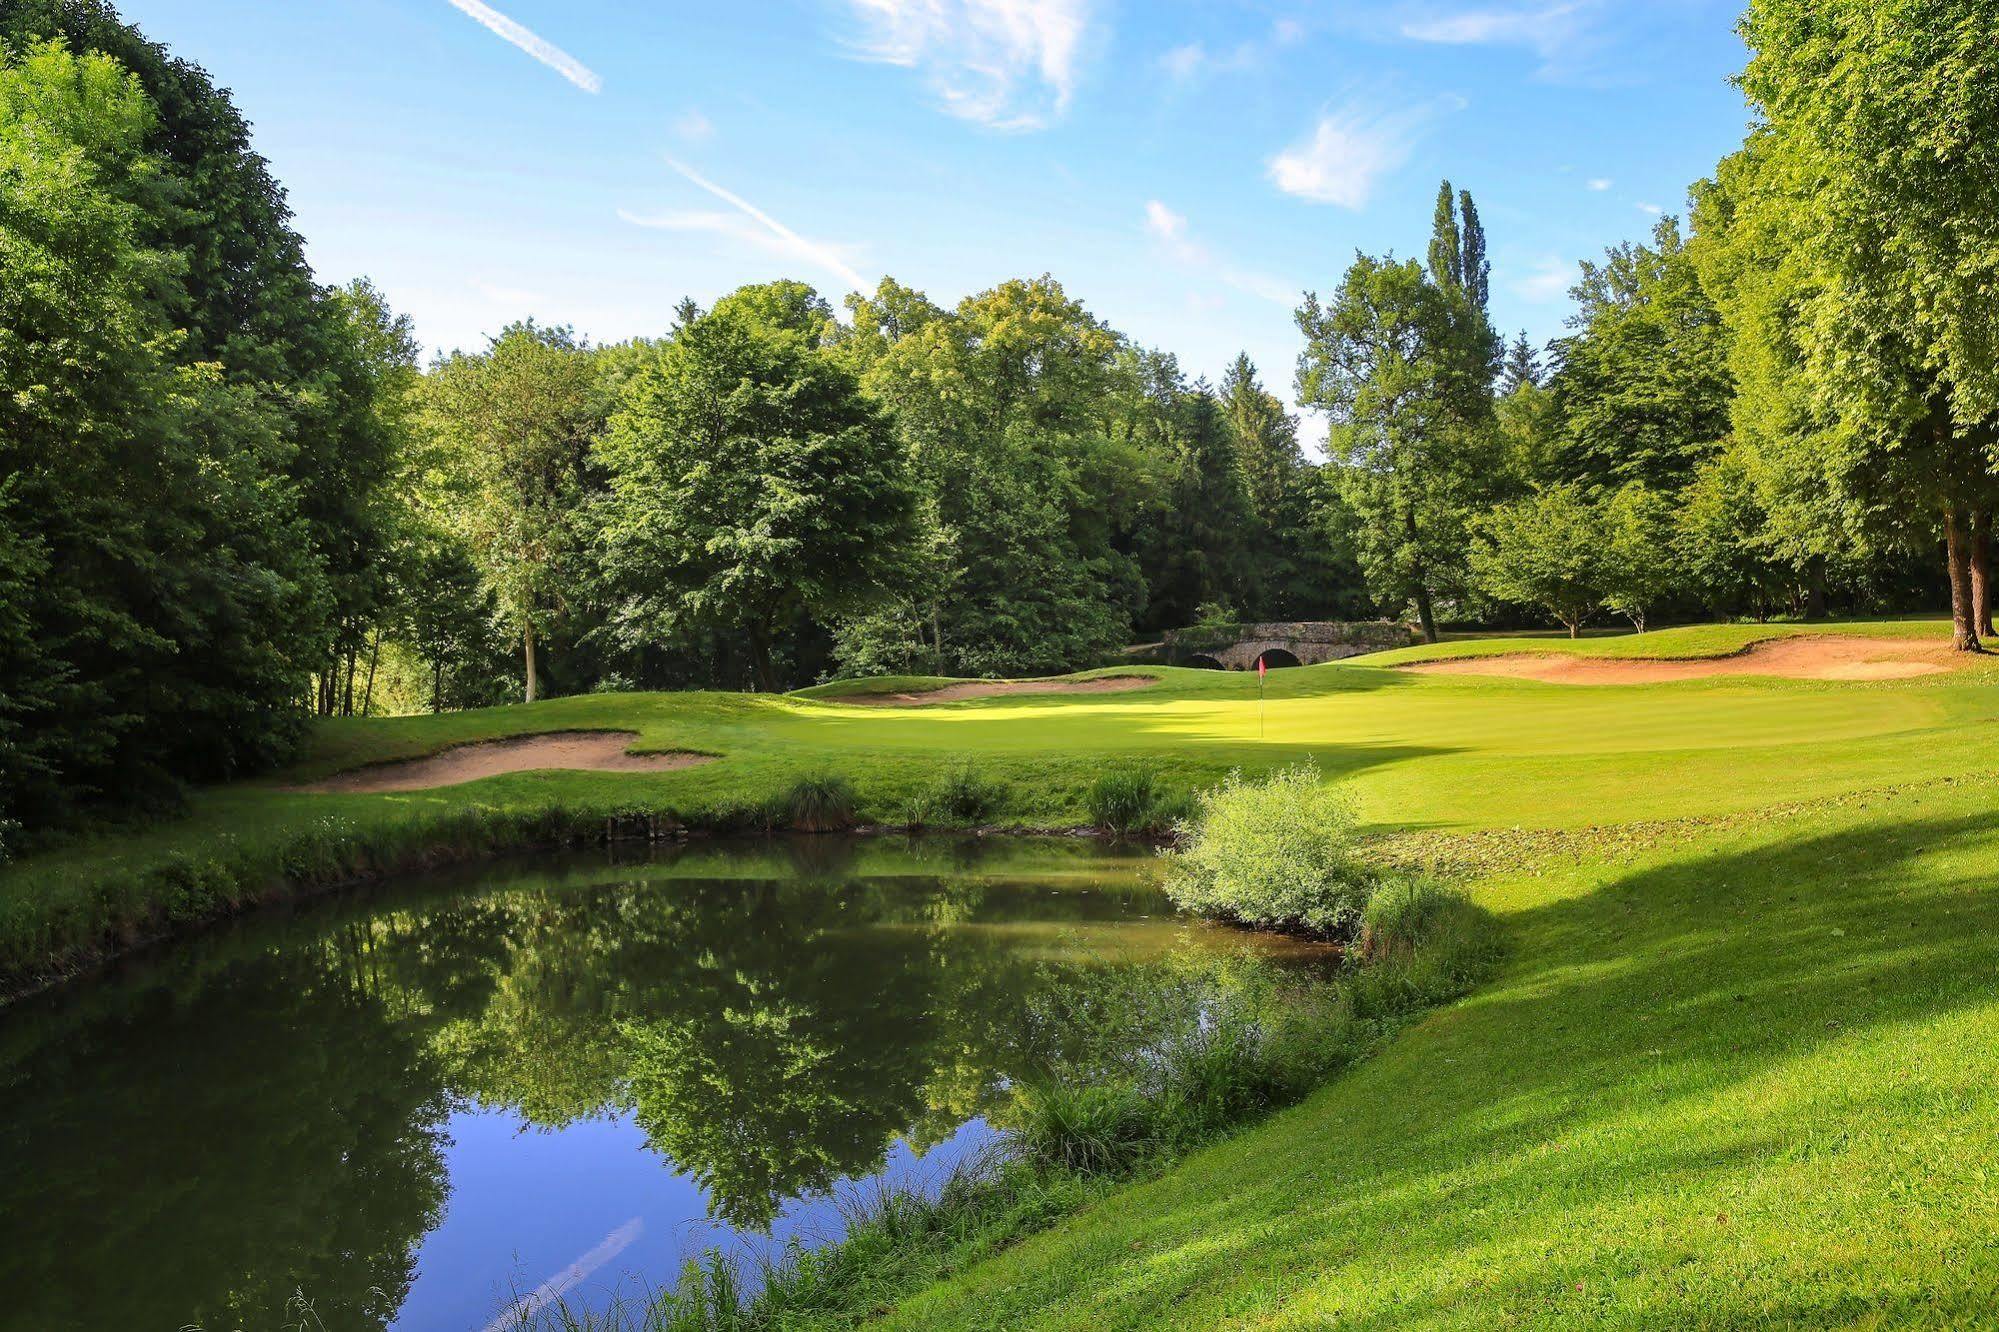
1201,661
1278,659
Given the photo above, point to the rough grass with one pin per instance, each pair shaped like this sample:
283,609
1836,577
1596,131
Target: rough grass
1420,752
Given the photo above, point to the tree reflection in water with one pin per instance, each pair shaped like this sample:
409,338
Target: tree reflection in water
260,1112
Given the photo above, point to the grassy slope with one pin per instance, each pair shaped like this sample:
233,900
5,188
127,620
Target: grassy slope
1747,1078
1422,751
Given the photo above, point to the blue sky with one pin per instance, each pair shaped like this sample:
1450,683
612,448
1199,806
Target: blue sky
1184,169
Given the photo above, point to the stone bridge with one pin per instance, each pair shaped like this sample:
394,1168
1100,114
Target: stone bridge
1239,647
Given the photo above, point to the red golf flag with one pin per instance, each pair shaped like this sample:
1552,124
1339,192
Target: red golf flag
1262,669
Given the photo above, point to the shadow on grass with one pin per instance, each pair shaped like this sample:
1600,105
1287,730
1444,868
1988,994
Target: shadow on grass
1722,1092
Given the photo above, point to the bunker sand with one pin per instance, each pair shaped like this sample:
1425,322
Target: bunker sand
574,751
1109,684
1811,657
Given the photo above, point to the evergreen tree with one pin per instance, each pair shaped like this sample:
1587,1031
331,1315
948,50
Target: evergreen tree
1521,367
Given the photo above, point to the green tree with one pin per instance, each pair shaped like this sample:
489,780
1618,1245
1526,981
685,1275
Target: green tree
1642,387
1546,551
1719,539
518,421
1882,121
750,480
1639,570
1015,411
1521,368
1390,361
173,614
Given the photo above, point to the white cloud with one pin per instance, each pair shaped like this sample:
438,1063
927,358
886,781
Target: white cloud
1545,30
1600,184
1007,64
1652,209
557,59
692,126
1345,155
1547,282
1184,62
752,226
1169,229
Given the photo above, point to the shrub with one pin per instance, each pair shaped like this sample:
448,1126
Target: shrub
1276,854
1128,801
961,795
818,804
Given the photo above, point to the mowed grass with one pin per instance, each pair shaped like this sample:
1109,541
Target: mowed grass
1422,752
1748,1079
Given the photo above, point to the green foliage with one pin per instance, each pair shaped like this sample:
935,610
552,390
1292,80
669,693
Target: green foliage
1639,568
1643,387
821,803
750,481
1545,551
1402,360
514,424
1128,800
960,795
1277,853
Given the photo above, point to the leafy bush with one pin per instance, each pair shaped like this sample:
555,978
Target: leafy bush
1128,801
961,795
1277,854
819,804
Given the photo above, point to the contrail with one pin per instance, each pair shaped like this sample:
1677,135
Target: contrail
557,59
819,253
553,1289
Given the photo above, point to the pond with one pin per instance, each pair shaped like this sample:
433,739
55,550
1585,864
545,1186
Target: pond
416,1105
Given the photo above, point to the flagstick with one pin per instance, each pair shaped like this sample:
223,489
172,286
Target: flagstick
1261,671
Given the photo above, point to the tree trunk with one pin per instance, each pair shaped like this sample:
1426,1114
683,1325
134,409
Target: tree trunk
527,656
1957,553
437,686
1424,614
1981,572
1815,588
760,666
374,660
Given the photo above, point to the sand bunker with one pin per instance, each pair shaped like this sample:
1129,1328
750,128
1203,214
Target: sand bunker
1807,657
575,751
1109,684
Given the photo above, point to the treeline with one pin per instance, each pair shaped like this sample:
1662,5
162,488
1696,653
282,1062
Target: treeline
190,431
769,494
1793,409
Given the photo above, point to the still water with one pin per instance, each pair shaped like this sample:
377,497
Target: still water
418,1105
